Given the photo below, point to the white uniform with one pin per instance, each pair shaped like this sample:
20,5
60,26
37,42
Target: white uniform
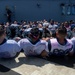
73,41
9,49
58,49
32,49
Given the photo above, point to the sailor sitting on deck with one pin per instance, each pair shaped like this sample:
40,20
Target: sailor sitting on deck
60,46
8,48
33,45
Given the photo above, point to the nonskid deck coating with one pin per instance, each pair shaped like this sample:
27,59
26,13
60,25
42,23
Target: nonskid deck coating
22,65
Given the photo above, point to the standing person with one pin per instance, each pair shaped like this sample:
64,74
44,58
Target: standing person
8,14
8,48
60,46
33,45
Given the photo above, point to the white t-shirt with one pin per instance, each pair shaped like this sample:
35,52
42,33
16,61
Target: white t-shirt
9,49
32,49
57,49
73,41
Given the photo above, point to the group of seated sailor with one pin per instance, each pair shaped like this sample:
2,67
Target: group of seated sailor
33,45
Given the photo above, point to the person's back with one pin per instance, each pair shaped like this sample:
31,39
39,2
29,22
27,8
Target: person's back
14,31
8,48
60,46
33,45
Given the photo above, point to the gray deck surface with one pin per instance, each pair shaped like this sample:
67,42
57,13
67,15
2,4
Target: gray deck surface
22,65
